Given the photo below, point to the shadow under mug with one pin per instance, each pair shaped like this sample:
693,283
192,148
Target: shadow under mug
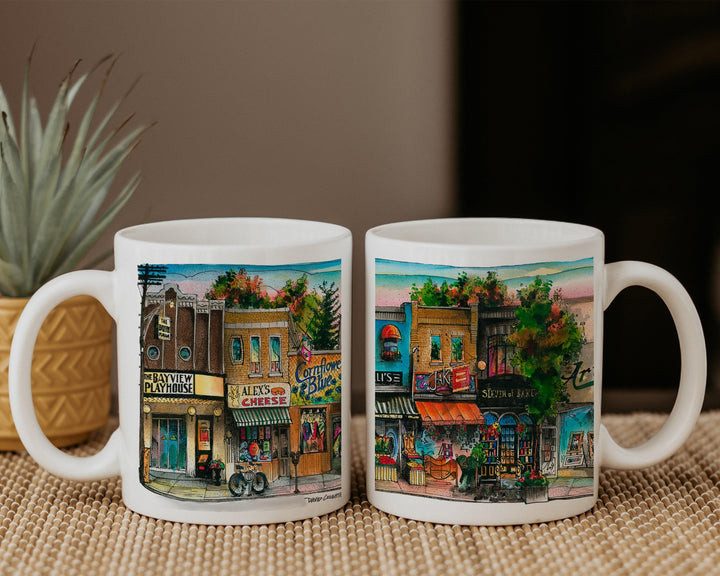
484,352
233,369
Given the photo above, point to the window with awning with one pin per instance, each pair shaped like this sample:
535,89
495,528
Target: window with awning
395,407
261,416
449,413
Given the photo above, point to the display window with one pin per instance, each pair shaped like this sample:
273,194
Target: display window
313,426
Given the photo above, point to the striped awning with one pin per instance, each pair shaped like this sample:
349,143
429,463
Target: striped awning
395,407
450,413
261,416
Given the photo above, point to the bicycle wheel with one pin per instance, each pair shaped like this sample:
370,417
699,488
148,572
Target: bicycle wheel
259,482
236,484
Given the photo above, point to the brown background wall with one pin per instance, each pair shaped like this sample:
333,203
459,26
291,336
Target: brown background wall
329,110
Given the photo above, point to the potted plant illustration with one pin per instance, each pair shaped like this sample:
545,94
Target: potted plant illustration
534,486
470,466
216,468
385,465
55,183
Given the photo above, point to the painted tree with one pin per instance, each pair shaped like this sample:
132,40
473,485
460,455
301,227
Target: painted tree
547,338
302,302
324,328
239,289
488,292
430,294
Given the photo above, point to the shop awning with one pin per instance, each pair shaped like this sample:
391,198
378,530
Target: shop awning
261,416
395,407
450,413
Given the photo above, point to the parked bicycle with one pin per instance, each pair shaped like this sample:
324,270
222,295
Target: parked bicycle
247,479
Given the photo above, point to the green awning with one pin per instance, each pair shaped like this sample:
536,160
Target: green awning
261,416
396,407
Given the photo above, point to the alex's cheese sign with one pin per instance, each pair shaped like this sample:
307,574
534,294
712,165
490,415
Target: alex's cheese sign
162,383
258,395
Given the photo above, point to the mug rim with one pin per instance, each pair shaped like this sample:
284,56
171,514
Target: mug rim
308,233
542,233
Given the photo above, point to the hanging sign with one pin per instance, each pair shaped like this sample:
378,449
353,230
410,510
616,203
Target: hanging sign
163,328
258,395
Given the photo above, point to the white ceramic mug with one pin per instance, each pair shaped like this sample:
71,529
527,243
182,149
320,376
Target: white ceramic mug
233,370
484,369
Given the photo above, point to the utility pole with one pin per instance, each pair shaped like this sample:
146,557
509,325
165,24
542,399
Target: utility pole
148,275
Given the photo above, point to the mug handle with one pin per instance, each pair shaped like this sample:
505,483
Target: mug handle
106,462
691,392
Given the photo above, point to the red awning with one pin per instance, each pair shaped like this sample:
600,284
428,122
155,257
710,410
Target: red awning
390,331
449,413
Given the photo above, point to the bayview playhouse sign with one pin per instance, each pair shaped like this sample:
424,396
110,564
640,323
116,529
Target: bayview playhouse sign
168,383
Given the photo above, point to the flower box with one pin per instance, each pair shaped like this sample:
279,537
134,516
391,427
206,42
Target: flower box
386,473
534,494
417,476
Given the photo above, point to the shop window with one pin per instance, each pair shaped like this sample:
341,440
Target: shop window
275,354
153,352
456,349
185,353
236,349
255,443
435,349
255,355
313,424
390,337
500,355
525,431
508,436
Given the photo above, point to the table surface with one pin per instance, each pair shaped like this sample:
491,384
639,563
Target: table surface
662,520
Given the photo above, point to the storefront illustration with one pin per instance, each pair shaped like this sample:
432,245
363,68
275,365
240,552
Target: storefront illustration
223,412
468,418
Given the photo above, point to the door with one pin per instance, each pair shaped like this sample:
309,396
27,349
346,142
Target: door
283,451
508,446
169,444
336,447
204,447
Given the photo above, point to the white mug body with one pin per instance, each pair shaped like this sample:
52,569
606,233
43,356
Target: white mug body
484,370
233,354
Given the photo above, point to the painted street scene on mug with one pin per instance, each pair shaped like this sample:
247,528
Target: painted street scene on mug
484,381
241,380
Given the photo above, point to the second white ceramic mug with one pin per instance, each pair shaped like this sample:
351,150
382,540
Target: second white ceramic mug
484,369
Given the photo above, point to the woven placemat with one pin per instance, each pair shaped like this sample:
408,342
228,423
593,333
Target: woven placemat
662,520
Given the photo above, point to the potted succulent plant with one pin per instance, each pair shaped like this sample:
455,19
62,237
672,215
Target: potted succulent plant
54,204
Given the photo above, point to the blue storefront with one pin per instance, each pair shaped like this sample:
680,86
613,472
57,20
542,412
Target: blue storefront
576,440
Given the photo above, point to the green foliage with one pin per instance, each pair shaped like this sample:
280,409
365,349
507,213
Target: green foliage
317,315
50,204
324,328
477,458
488,292
240,290
547,338
430,294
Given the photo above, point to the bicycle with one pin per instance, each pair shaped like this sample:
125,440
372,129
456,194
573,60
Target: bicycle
247,479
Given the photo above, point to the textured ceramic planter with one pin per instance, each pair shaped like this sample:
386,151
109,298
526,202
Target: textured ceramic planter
70,373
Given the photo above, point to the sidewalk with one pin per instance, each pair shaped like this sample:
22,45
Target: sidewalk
187,488
558,489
